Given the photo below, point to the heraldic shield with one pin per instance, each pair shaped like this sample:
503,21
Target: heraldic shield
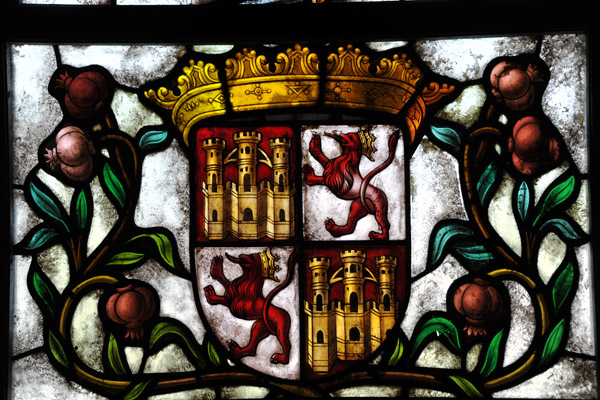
301,264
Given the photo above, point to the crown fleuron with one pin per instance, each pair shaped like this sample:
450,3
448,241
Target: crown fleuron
366,140
269,269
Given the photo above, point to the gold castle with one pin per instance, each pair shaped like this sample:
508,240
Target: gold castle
247,209
354,328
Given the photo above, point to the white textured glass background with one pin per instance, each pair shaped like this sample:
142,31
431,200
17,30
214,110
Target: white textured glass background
433,175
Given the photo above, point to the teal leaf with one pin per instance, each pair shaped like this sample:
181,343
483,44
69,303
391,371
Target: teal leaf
397,354
43,291
57,350
115,360
448,138
559,194
475,255
47,203
467,387
486,182
125,258
442,235
523,197
172,331
491,357
137,391
38,238
563,286
152,139
552,344
566,228
212,354
114,185
443,328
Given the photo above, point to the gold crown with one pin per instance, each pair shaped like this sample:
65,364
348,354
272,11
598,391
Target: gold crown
366,140
294,79
269,269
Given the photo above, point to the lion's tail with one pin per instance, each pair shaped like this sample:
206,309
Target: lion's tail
286,282
365,183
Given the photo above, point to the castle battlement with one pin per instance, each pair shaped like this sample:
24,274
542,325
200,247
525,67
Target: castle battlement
280,141
319,262
214,142
390,260
247,136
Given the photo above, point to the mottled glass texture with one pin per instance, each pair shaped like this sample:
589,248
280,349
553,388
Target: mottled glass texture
434,195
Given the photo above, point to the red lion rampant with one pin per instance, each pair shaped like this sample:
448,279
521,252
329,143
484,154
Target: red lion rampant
342,176
244,298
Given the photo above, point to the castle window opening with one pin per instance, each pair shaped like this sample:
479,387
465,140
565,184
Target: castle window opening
281,183
247,183
248,215
320,338
386,302
215,216
214,183
353,268
353,302
282,215
319,303
354,334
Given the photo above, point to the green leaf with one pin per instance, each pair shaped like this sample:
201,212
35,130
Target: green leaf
486,182
113,184
439,326
212,354
136,391
552,344
442,235
563,286
81,210
165,249
491,357
566,229
397,355
449,139
126,258
467,387
152,139
47,203
57,350
523,200
559,194
167,332
45,292
114,357
41,236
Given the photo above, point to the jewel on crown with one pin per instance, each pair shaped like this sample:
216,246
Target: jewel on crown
269,269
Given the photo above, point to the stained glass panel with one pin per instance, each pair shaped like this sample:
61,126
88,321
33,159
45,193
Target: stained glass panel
384,219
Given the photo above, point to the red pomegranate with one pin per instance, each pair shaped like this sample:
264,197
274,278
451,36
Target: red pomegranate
533,148
512,84
480,303
85,93
72,154
132,306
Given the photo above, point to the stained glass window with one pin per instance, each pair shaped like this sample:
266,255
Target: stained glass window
395,214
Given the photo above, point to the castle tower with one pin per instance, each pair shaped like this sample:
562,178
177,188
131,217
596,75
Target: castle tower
353,343
214,204
283,199
386,266
247,209
321,328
